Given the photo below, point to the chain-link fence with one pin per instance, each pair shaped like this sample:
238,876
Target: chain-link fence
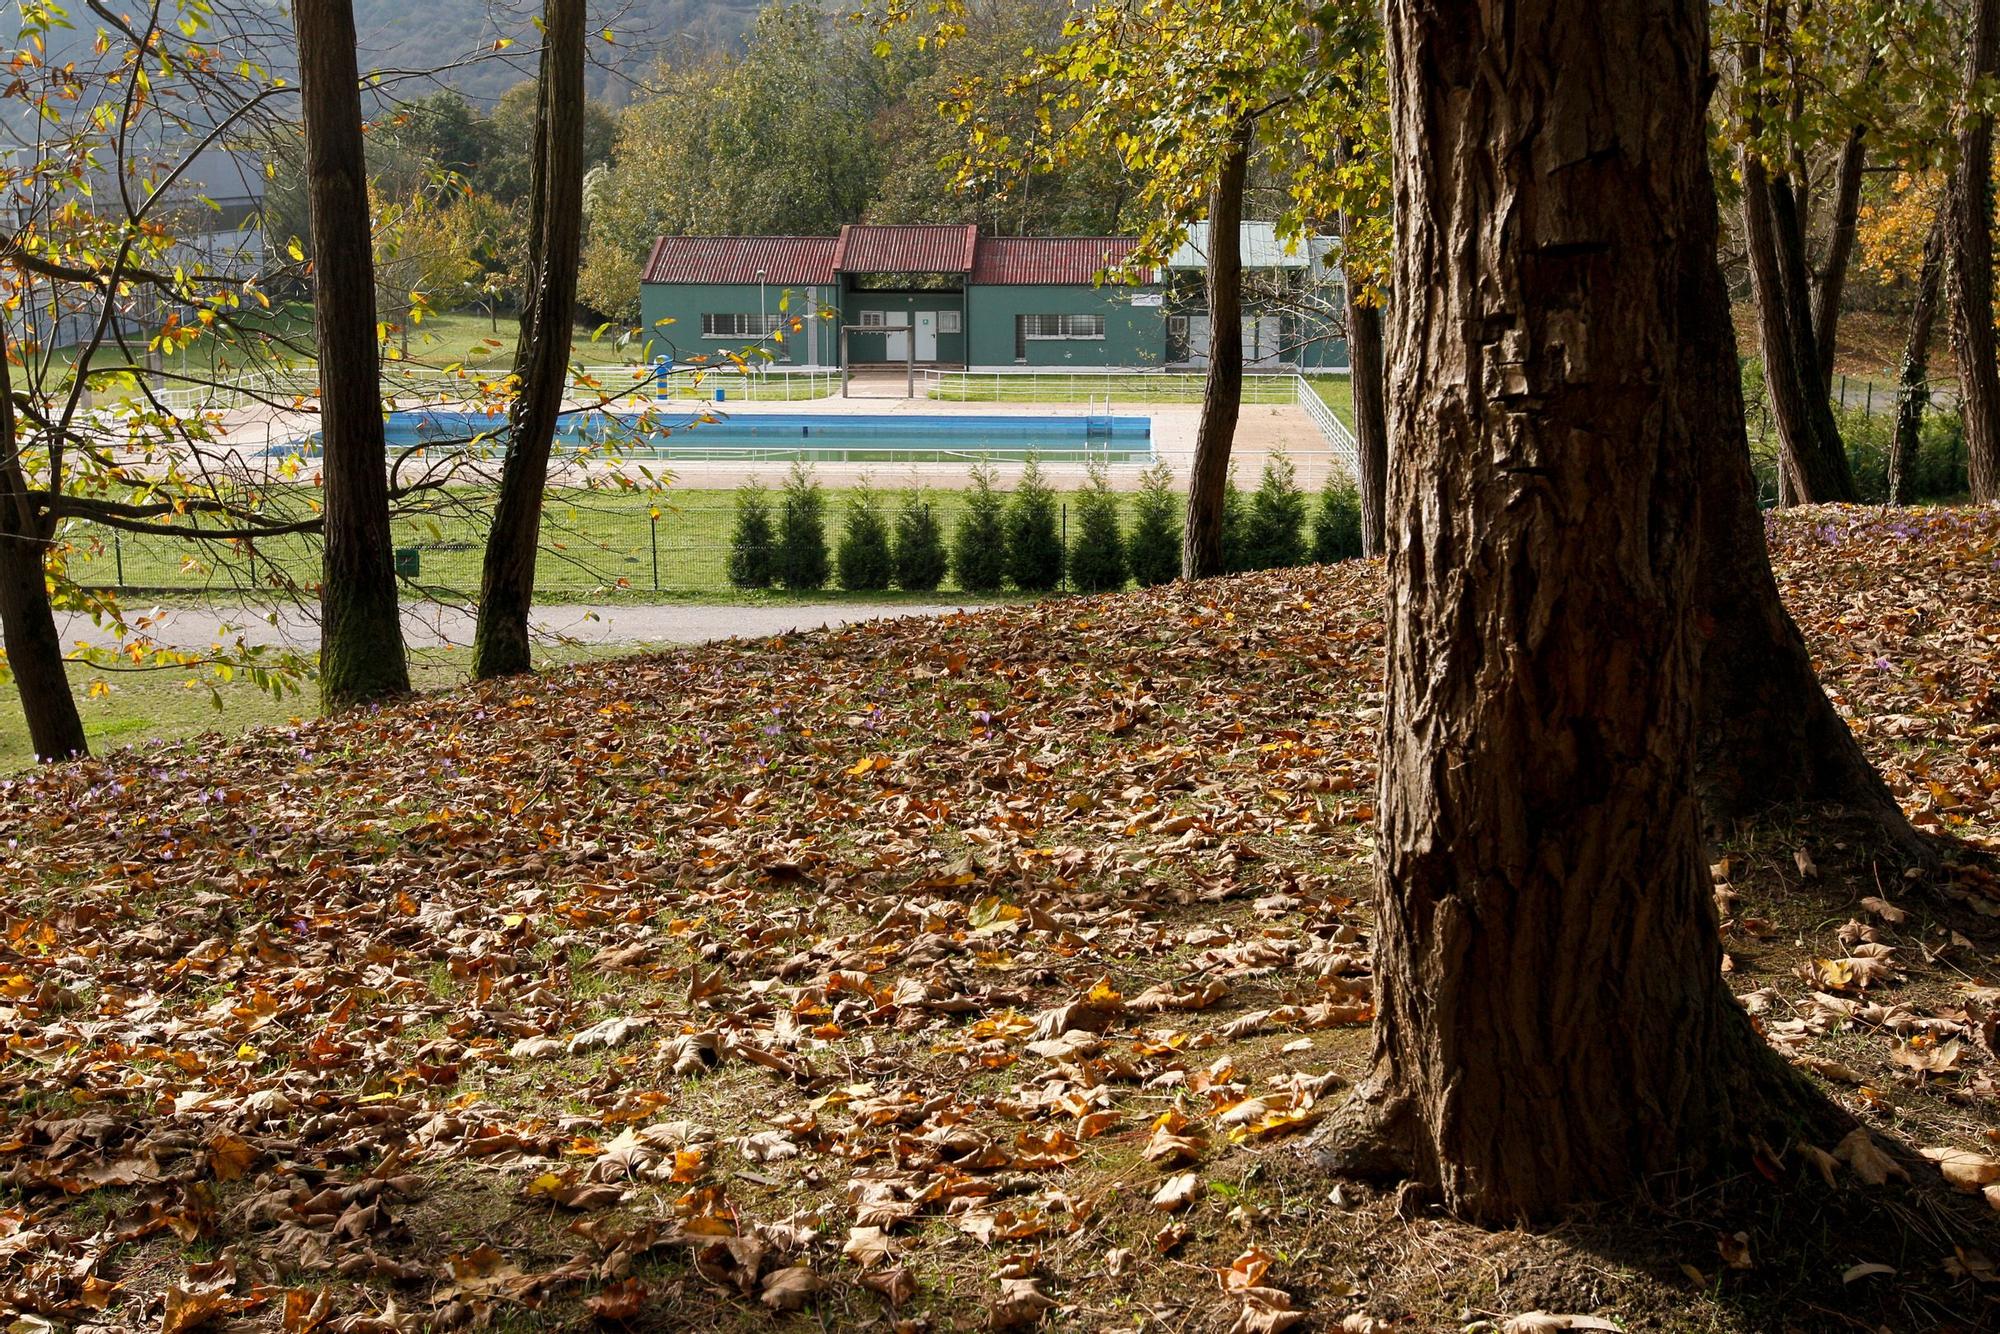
594,543
1866,412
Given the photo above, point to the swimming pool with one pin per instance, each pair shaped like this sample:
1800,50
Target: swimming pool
783,436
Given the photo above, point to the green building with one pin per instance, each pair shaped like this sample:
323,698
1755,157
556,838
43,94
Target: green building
942,296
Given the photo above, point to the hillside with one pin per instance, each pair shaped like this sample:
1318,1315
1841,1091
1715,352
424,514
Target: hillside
993,969
396,34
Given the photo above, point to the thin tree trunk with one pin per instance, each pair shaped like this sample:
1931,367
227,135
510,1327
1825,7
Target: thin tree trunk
1969,210
1202,556
27,620
1839,251
361,636
1552,1023
1808,437
1371,426
1912,378
507,586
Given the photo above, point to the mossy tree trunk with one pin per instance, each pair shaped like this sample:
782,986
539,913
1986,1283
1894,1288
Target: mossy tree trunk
361,633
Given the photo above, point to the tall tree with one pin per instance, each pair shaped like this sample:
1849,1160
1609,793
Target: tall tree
1812,455
1552,1024
1913,372
361,634
1969,218
1202,555
507,587
1365,383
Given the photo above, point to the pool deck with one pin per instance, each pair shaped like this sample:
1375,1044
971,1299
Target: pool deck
1262,430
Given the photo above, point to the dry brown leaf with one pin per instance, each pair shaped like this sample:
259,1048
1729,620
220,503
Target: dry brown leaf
1964,1169
1860,1152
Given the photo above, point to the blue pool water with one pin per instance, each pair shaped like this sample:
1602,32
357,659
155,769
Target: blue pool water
826,437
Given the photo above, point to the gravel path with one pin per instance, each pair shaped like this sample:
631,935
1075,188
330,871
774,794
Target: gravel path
430,625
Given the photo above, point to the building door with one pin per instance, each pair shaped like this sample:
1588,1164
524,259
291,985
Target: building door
927,332
897,343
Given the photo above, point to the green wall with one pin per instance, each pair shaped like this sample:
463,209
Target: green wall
901,308
686,303
1133,335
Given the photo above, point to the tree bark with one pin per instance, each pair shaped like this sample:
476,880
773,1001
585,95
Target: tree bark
1202,556
1839,251
361,635
27,620
1969,211
1371,423
1913,376
1552,1023
507,586
1364,377
1809,439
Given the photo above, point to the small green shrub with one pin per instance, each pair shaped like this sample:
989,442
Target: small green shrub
1337,522
753,543
1034,533
864,561
979,544
920,557
1097,554
1153,548
1235,527
802,560
1274,529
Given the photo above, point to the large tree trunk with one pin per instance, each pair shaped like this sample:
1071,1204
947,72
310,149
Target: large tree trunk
1969,210
27,620
1839,251
1552,1023
1202,556
507,587
361,636
1913,376
1809,439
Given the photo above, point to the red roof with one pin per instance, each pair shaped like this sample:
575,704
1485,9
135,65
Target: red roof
803,261
1051,260
922,249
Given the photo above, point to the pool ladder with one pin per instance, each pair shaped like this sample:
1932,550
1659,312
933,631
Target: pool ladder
1094,426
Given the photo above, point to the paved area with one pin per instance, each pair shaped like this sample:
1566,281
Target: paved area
430,625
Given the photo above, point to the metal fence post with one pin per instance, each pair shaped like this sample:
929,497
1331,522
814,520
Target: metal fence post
118,554
653,527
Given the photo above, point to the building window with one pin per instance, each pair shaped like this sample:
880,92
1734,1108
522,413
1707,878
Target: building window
948,321
1033,328
874,319
741,326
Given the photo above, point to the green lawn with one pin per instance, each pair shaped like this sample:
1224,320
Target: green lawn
175,704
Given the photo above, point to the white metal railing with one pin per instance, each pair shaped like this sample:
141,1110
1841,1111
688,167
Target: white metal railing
1346,450
432,384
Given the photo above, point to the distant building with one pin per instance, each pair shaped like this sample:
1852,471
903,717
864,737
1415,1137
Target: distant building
213,209
943,295
1293,300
